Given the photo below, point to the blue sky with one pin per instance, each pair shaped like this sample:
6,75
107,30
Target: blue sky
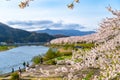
85,16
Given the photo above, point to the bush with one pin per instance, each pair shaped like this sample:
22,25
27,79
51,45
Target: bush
51,62
86,45
67,53
37,59
2,48
15,76
51,54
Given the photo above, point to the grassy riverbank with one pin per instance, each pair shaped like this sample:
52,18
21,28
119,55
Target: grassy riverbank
4,48
58,52
55,54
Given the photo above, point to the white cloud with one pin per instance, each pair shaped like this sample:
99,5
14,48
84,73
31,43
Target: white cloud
84,13
43,24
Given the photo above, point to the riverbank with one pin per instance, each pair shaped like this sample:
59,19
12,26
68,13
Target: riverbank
61,64
14,58
4,48
26,75
56,58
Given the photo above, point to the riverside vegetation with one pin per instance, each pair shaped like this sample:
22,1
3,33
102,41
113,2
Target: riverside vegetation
4,48
60,52
100,60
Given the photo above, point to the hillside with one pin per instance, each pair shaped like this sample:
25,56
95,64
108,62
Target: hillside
65,32
8,34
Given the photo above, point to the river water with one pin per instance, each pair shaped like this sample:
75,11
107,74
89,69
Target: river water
14,58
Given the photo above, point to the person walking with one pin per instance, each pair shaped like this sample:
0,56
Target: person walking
24,64
41,60
12,70
20,71
27,65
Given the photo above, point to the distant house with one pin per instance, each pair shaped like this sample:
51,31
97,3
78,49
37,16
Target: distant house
3,43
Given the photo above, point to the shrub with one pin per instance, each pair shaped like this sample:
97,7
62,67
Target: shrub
51,54
51,62
37,59
67,53
2,48
89,76
15,76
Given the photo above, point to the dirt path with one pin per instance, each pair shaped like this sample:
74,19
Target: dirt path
45,71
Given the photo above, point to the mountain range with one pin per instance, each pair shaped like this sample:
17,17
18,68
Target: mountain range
65,32
11,35
8,34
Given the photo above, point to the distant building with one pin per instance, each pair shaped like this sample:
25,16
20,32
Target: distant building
3,43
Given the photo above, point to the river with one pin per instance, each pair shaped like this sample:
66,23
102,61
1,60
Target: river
15,57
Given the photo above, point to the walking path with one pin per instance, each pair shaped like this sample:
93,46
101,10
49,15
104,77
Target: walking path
46,71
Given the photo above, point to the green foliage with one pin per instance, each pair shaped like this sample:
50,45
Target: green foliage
2,48
89,76
90,73
67,46
37,59
60,58
51,62
78,60
64,57
51,54
15,76
67,53
86,45
64,51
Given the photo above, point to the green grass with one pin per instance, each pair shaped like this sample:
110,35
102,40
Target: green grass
51,54
37,59
3,48
78,60
89,75
15,76
53,61
61,52
63,57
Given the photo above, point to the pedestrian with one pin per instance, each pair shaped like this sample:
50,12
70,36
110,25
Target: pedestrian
24,64
12,70
27,68
41,60
20,71
27,64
